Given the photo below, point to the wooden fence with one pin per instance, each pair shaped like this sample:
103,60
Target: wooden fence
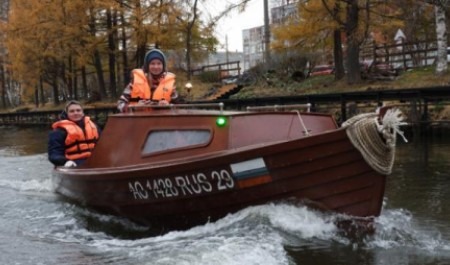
46,118
224,69
404,55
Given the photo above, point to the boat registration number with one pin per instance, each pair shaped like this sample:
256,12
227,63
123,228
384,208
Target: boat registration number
182,185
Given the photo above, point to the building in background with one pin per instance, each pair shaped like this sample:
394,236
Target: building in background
281,14
253,38
253,50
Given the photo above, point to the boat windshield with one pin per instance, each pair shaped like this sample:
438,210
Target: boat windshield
164,140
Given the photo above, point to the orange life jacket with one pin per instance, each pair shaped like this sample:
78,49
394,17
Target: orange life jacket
79,144
141,89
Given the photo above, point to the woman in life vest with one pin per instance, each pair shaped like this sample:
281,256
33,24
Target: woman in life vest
151,84
73,137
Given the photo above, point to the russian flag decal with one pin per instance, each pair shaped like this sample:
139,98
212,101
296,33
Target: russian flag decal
251,172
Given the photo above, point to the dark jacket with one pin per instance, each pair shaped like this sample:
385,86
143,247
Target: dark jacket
56,145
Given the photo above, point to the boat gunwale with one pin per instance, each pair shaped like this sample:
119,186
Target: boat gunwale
208,112
192,159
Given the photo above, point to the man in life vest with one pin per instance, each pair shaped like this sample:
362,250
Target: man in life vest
73,137
152,84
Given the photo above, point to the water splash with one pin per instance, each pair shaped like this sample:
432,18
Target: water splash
245,237
255,235
26,173
397,228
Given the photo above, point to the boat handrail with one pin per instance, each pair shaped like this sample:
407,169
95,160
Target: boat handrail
219,105
306,132
280,107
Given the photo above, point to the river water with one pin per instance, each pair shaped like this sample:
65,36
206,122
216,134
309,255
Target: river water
38,227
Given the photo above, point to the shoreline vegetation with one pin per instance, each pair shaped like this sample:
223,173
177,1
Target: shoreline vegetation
270,85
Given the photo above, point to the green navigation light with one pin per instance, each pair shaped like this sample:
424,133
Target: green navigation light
221,121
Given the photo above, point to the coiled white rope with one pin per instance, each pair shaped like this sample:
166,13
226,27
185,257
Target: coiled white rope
375,141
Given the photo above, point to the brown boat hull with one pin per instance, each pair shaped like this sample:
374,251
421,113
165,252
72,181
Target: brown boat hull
324,170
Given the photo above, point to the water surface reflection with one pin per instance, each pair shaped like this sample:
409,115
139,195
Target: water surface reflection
38,227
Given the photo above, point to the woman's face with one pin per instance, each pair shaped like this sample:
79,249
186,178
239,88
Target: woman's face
75,112
155,67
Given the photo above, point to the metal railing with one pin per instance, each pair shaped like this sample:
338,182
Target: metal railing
419,101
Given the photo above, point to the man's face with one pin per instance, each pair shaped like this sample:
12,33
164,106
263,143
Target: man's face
75,112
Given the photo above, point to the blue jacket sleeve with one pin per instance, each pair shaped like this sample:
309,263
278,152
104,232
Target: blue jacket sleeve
56,148
99,130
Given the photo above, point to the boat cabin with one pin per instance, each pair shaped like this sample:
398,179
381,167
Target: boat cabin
151,136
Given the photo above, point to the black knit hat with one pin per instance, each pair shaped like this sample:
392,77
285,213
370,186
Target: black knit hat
154,54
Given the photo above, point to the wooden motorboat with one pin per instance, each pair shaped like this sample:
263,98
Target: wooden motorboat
179,166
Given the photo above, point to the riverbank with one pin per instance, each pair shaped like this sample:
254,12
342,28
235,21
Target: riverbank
410,79
275,85
421,107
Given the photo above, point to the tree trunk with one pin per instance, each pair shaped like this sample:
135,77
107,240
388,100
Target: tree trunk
36,97
353,71
441,36
112,52
97,61
267,59
3,83
141,39
41,91
84,88
99,71
65,93
126,69
75,84
338,58
55,91
190,26
70,79
188,56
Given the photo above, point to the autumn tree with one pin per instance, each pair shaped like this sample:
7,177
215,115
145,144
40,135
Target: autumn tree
26,48
196,33
72,48
47,46
308,32
321,24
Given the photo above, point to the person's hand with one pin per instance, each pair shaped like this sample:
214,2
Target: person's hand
163,102
70,163
122,107
147,102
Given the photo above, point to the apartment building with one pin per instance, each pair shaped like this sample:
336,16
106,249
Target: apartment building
253,38
253,46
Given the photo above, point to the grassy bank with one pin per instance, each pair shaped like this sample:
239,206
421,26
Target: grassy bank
417,78
414,78
273,85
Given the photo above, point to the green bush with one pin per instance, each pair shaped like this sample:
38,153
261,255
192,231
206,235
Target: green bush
210,76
